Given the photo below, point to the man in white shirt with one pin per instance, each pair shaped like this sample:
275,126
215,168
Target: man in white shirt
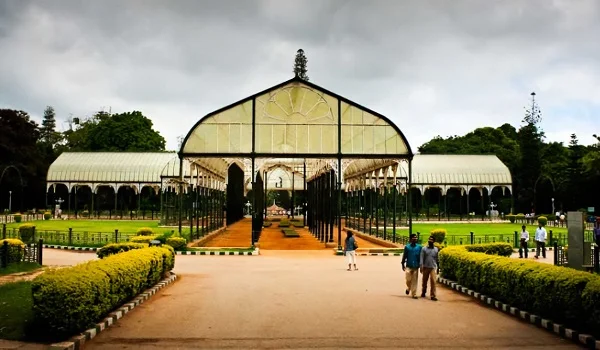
523,244
540,241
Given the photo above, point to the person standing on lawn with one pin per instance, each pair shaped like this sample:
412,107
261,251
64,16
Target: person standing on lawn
429,267
540,241
523,244
411,259
350,250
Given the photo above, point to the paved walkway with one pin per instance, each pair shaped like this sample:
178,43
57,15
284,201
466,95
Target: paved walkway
306,299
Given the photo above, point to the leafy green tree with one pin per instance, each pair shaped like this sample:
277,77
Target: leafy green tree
19,137
300,65
130,131
530,139
591,160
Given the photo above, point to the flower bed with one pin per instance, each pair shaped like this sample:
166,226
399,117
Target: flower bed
70,300
561,294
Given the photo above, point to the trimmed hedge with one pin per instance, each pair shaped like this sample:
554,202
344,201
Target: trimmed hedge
47,215
267,224
115,248
142,239
15,249
26,232
284,223
69,300
145,231
543,220
178,243
502,249
511,218
561,294
17,217
290,232
439,235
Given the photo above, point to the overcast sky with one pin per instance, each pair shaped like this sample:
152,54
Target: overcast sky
433,67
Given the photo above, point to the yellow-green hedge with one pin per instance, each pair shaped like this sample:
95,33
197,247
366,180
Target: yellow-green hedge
26,232
115,248
561,294
145,231
439,235
15,249
142,239
178,243
69,300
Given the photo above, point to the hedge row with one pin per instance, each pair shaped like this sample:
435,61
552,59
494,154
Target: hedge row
502,249
69,300
116,248
558,293
15,249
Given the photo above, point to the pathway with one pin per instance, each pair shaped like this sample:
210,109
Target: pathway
307,299
271,238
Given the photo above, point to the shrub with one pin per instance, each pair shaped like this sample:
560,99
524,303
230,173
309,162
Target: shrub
284,223
47,215
70,300
558,293
145,231
439,235
18,217
142,239
520,217
178,243
115,248
502,249
543,220
15,249
438,245
511,218
85,213
164,237
267,224
26,232
290,232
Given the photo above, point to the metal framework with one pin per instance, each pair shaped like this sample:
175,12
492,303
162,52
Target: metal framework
306,130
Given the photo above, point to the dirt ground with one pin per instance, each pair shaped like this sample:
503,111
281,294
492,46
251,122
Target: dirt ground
307,300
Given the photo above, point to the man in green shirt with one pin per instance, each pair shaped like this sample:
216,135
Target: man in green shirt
411,262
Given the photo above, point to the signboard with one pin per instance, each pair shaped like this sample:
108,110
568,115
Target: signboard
591,209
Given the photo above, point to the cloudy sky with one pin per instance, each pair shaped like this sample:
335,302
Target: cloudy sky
433,67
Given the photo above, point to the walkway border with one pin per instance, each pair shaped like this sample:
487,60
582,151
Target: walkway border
256,251
77,342
560,330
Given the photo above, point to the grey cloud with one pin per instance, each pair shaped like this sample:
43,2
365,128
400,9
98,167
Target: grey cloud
434,67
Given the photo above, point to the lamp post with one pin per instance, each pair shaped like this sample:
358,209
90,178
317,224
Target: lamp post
9,201
553,206
492,206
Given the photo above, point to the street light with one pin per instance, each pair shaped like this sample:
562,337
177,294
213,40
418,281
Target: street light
10,201
553,206
492,206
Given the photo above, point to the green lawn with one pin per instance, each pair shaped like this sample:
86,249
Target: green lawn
480,229
20,267
16,303
125,226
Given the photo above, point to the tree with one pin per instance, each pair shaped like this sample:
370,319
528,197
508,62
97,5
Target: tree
130,131
591,160
300,65
22,159
530,139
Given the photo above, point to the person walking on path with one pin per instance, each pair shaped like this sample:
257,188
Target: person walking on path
540,241
350,250
429,267
411,259
523,244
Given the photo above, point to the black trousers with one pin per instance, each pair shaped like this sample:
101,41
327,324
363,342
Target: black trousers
523,247
542,246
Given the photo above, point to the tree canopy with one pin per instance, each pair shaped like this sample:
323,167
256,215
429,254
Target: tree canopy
130,131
